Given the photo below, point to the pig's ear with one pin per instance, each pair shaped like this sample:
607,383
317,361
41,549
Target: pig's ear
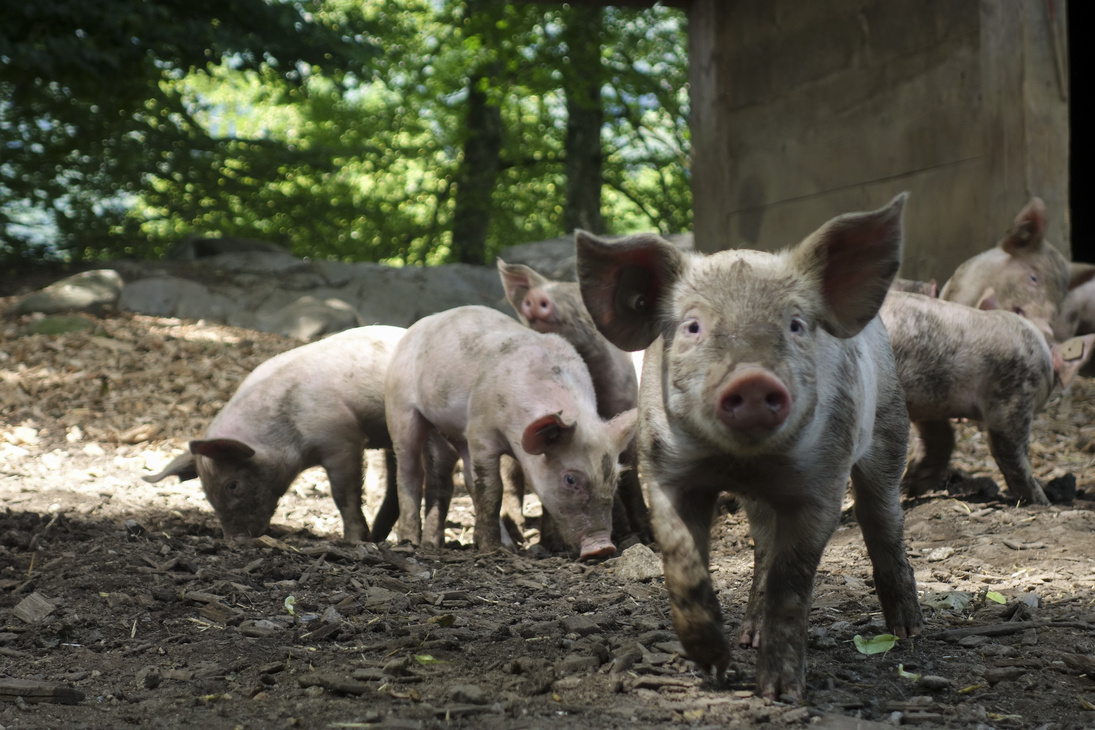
621,428
1079,274
182,466
545,433
1028,229
1071,355
517,279
227,449
854,257
988,300
932,289
623,284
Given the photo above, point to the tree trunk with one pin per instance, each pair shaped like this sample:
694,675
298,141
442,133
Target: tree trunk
585,118
477,176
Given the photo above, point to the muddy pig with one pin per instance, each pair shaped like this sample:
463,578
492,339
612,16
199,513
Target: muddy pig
1024,273
769,376
494,387
318,404
556,306
1079,306
995,367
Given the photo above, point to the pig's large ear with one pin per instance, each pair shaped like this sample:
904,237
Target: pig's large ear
1079,274
182,466
227,449
621,428
517,279
1028,229
623,283
546,432
854,257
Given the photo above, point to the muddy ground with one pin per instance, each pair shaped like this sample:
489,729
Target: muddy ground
121,596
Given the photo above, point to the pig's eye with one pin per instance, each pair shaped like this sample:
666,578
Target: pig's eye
232,486
692,327
1019,311
1033,279
798,327
570,480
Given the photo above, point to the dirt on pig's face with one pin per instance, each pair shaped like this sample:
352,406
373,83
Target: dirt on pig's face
749,319
244,494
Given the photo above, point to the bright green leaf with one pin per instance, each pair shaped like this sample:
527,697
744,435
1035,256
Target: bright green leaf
878,645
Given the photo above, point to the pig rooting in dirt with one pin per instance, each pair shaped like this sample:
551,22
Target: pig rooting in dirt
319,404
769,376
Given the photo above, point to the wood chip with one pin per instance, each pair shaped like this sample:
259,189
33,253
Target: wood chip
34,691
33,608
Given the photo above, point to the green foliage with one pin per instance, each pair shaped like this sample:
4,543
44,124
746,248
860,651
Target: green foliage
335,126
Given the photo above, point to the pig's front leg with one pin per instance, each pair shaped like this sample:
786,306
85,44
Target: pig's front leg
878,512
483,477
1010,449
345,473
762,525
927,471
682,527
798,540
631,493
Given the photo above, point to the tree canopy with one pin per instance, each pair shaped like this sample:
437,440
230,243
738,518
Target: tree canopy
346,129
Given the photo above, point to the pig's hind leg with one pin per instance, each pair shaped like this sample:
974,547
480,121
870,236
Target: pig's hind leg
928,469
409,430
1009,448
345,473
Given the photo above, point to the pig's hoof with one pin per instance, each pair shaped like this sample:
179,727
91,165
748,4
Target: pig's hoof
750,634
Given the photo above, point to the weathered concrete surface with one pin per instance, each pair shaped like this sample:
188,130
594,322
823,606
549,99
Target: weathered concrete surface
804,110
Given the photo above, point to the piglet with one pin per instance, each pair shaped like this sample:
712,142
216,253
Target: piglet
1024,274
493,387
769,376
318,404
556,306
992,366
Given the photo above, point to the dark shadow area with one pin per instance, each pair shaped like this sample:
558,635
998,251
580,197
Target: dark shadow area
1081,141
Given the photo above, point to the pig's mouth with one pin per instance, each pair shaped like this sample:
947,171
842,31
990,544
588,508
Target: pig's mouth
597,547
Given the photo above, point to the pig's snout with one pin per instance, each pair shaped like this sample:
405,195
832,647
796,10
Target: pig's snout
754,400
538,306
597,546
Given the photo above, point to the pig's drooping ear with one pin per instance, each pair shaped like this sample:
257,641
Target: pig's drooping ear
988,301
517,279
623,284
182,466
854,257
226,449
1069,356
545,433
1028,229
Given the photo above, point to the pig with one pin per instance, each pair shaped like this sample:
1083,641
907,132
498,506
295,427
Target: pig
1079,306
769,376
1024,273
493,387
556,306
318,404
993,366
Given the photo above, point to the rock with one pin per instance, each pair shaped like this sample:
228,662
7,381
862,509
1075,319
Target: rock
149,678
309,318
638,563
89,291
934,683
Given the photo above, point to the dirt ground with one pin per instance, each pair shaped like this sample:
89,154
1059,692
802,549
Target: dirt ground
122,597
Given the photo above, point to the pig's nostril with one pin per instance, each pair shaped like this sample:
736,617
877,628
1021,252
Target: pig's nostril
776,400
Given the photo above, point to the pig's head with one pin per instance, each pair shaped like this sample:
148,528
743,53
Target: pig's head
1024,274
573,465
243,487
742,330
545,305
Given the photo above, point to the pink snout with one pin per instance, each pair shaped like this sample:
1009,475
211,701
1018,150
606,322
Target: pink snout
538,306
754,400
595,547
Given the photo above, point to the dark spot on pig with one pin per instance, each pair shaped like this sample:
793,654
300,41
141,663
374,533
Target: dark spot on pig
608,465
506,348
556,370
502,402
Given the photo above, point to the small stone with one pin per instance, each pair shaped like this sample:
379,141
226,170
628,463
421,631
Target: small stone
940,554
934,683
470,694
576,664
971,641
581,625
149,678
638,563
